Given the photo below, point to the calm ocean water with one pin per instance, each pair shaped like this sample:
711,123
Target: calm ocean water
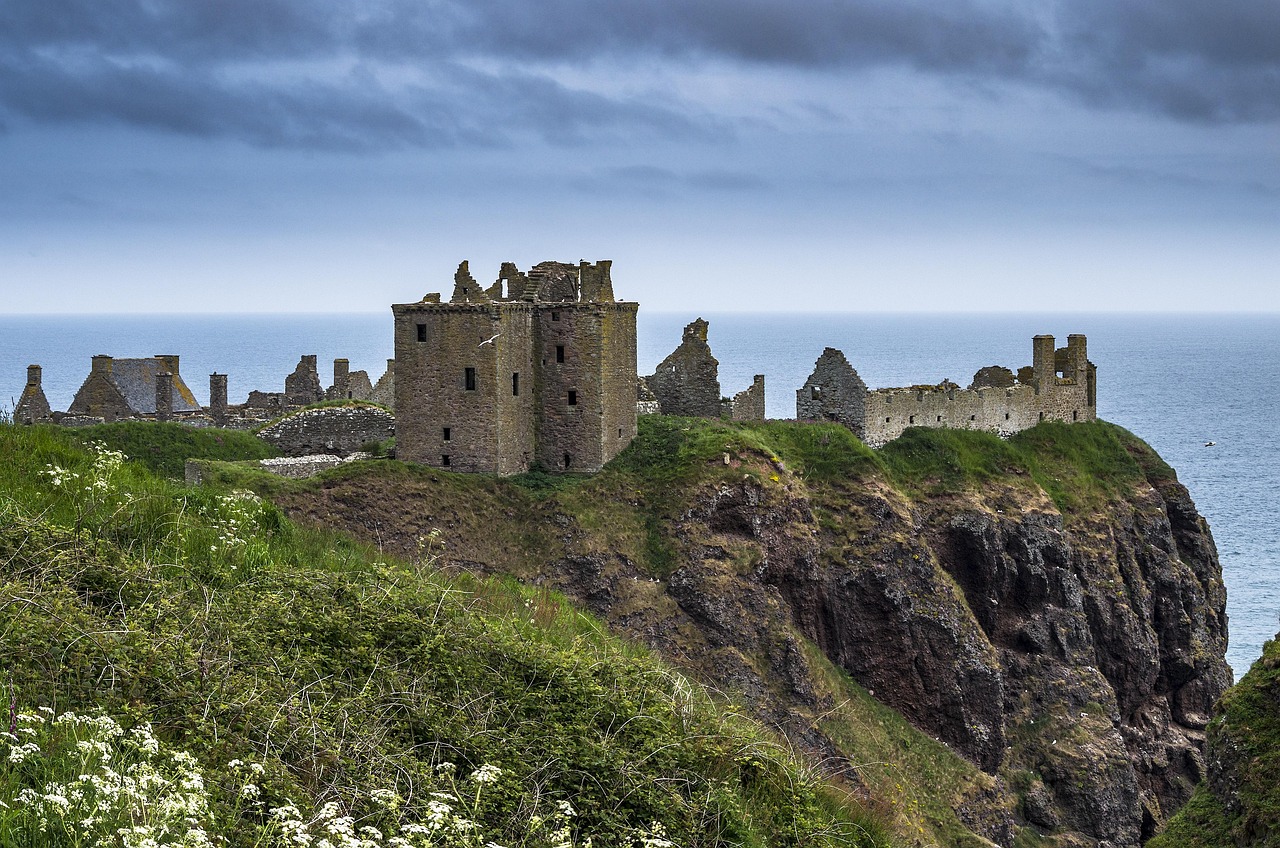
1177,381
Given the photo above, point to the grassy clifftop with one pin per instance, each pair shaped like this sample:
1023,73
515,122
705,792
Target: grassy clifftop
239,637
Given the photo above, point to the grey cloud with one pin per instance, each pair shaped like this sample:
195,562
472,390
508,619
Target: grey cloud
212,68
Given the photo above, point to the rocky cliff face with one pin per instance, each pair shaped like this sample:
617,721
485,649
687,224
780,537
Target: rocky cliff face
1074,656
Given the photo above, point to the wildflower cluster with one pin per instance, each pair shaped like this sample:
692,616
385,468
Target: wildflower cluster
77,780
235,516
82,780
97,481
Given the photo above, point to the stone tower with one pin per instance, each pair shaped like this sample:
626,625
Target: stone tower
535,370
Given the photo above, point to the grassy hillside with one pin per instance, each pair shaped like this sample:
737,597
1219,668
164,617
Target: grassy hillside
1241,803
334,670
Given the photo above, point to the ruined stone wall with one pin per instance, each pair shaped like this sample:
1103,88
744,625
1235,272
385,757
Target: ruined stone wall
687,382
442,422
384,391
748,404
302,387
568,385
516,399
833,392
340,430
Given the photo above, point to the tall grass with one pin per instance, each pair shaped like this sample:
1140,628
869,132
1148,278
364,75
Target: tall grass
240,637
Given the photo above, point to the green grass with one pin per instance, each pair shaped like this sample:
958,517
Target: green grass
342,670
1080,466
164,447
1246,728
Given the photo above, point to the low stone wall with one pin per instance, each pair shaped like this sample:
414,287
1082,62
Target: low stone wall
339,430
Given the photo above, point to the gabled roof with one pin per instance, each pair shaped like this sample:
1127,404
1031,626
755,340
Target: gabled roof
136,379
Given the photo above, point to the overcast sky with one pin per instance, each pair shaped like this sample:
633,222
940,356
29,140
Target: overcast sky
282,155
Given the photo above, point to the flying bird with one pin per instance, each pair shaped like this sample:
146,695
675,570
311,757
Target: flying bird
489,340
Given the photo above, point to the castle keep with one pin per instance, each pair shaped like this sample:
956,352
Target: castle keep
536,369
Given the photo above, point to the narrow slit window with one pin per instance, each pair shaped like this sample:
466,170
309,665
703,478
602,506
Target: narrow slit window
1075,415
573,398
1006,416
568,460
422,332
911,419
447,434
515,383
469,377
939,419
559,353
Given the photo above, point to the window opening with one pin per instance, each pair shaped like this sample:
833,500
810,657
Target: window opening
447,432
515,383
444,459
422,332
573,398
567,460
470,378
559,353
555,316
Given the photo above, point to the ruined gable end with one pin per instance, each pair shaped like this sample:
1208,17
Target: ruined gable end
833,392
687,382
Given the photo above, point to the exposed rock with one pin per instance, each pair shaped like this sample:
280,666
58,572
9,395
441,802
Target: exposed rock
1082,653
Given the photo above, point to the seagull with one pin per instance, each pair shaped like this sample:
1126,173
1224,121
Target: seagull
489,340
1209,444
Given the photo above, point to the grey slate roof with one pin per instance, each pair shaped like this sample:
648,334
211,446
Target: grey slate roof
136,379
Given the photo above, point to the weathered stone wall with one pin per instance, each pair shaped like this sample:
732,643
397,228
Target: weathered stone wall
494,384
833,392
687,382
748,404
1005,411
442,422
338,430
302,387
384,391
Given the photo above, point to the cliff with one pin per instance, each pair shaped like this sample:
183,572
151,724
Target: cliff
1050,607
1239,802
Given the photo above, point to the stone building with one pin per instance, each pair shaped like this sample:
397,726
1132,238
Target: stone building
535,370
1059,385
833,392
33,406
748,404
133,388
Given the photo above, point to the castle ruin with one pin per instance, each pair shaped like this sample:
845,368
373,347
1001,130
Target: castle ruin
534,370
1059,385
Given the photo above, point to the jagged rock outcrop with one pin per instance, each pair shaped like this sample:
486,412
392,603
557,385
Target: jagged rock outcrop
1074,656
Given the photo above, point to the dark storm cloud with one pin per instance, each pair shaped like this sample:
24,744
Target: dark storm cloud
396,73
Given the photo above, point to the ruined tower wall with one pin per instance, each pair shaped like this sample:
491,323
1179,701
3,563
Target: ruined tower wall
618,356
435,345
571,387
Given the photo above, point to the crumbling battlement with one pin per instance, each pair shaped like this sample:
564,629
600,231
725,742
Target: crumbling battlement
535,370
1060,385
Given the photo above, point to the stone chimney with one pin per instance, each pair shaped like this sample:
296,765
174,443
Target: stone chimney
341,378
218,398
164,396
170,361
34,376
101,365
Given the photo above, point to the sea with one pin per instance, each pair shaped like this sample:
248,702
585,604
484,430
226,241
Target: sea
1180,381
